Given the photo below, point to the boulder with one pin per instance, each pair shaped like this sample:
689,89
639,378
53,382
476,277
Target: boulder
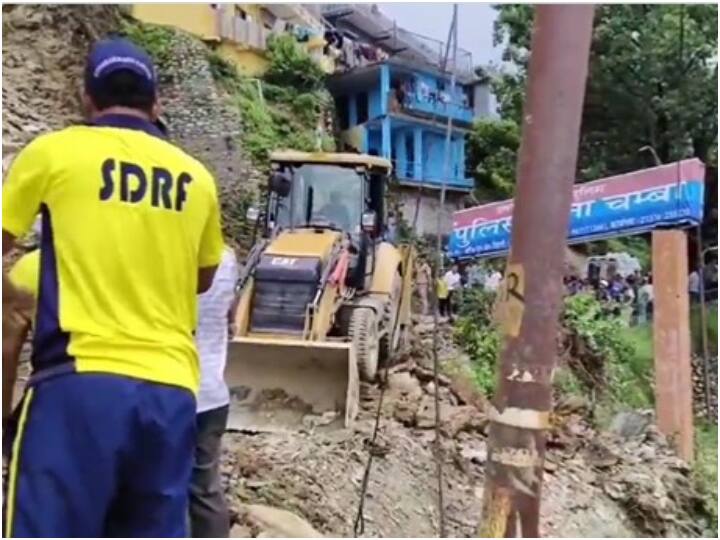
631,424
404,383
276,523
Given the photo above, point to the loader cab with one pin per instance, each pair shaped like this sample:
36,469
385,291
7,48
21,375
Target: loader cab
342,192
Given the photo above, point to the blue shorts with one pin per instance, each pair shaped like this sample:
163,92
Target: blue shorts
101,455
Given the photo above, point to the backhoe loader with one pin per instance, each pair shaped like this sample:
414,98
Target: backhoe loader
324,296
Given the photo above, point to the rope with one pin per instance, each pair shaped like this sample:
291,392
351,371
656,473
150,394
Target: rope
371,445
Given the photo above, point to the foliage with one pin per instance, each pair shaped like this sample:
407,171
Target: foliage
492,148
711,324
291,65
156,40
477,335
222,70
284,108
705,470
652,81
611,360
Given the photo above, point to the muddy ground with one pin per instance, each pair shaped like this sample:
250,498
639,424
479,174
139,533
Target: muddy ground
625,483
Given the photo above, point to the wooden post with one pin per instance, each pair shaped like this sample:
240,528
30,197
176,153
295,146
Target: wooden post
671,337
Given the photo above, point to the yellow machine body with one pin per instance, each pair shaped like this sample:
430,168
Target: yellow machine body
285,380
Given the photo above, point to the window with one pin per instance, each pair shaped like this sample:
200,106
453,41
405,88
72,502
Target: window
362,107
343,112
324,195
240,12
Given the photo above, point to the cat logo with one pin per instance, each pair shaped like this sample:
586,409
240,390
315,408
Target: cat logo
283,261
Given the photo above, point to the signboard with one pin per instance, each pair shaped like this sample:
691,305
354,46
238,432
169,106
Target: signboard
665,196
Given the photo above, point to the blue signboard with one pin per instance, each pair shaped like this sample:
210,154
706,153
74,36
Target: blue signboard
669,195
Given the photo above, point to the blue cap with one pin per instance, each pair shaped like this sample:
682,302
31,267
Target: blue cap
113,55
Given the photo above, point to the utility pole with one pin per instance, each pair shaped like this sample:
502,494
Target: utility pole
532,295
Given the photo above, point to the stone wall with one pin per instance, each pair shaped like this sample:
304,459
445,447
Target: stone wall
429,208
203,121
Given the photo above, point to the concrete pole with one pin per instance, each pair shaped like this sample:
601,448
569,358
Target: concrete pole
671,339
530,302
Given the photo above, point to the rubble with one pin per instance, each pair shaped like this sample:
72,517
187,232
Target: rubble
699,398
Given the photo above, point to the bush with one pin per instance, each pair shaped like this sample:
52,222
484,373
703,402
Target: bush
154,39
291,65
609,360
223,71
478,336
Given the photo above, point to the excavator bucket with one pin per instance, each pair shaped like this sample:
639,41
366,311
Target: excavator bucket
283,385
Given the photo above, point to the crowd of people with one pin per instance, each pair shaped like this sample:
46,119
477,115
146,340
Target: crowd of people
629,296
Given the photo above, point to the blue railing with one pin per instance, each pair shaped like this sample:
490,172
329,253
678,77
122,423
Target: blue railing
435,104
405,172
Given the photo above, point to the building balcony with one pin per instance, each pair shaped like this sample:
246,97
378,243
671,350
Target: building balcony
407,174
240,31
430,105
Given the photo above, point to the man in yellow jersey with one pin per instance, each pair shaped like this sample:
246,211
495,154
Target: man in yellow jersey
130,234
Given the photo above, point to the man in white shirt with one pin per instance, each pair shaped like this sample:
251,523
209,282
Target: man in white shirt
453,282
493,281
694,286
209,516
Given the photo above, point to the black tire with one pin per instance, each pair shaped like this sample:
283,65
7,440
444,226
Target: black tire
390,342
363,331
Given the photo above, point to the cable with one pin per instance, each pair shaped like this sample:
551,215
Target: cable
359,522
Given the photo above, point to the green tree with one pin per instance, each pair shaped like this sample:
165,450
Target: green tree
652,82
492,147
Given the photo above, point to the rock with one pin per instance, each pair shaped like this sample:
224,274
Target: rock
614,490
631,424
430,388
477,453
405,410
572,404
425,415
277,523
462,418
404,383
240,531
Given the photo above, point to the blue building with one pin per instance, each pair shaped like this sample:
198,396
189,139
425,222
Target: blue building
393,99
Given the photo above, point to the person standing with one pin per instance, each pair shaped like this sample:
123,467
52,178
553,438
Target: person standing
130,234
644,299
209,516
453,280
694,286
441,292
422,281
492,283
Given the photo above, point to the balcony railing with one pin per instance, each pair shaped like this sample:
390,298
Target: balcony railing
405,172
411,48
241,31
432,103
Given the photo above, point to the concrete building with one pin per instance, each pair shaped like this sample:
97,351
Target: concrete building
393,97
241,31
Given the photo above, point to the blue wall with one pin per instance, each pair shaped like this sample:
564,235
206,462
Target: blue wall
424,94
418,150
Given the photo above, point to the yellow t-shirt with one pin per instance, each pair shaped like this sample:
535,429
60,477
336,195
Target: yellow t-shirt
25,272
442,288
127,221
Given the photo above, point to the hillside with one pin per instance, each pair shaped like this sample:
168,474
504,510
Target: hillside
625,482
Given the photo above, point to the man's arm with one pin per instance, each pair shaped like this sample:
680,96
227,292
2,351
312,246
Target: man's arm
13,298
211,245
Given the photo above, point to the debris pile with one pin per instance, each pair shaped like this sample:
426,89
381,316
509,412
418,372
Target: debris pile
626,482
699,396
